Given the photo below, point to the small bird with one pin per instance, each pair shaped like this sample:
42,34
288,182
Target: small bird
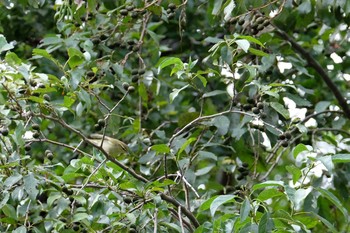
112,146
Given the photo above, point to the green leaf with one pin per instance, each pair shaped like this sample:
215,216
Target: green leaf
30,185
176,92
12,59
341,158
217,7
229,6
220,200
330,196
305,7
268,183
222,123
186,144
280,109
155,9
245,210
10,181
243,44
269,193
266,223
321,106
75,58
326,222
213,93
161,148
327,162
296,172
258,52
204,170
251,39
167,61
298,149
80,216
9,211
4,46
186,118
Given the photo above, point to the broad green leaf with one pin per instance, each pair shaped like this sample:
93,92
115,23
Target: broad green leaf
341,158
296,172
251,39
204,170
161,148
258,52
266,223
176,92
222,123
245,210
300,102
80,216
305,7
218,201
269,193
243,44
327,162
186,118
12,59
167,61
298,149
30,185
9,211
322,106
75,58
280,109
4,46
217,7
186,144
12,180
206,204
308,219
207,155
213,93
269,183
229,6
155,9
327,223
330,196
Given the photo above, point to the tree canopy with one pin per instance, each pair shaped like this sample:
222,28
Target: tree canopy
234,114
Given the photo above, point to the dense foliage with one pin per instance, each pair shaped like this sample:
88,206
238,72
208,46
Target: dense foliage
235,114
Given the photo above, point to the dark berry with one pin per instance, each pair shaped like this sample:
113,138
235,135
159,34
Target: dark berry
4,131
134,71
97,127
90,74
260,105
36,134
282,136
125,85
35,126
27,147
288,135
124,12
101,122
247,107
46,97
285,143
255,110
141,71
49,156
135,78
127,200
131,89
172,6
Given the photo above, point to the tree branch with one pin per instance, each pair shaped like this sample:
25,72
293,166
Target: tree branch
318,68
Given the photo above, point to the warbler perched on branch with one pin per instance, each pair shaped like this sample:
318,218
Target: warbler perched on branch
112,146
